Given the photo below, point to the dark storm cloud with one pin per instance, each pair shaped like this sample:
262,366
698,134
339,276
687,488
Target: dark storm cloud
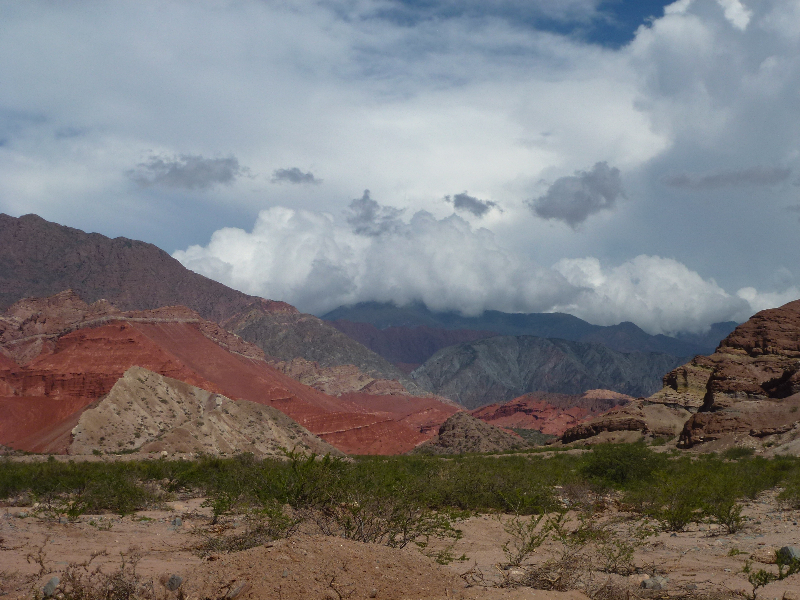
465,202
186,171
573,198
367,217
754,176
293,175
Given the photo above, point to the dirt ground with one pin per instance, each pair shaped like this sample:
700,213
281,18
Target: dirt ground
699,562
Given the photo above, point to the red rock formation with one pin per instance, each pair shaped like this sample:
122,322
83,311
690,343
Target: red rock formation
90,347
550,413
751,381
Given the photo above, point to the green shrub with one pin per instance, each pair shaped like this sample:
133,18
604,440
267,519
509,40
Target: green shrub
622,465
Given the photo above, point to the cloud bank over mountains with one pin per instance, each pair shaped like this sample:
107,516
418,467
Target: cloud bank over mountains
317,263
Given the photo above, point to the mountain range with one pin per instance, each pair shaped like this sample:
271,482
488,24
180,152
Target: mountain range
82,310
624,337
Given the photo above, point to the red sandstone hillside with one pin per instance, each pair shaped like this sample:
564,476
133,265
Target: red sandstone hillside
746,393
39,258
69,354
549,413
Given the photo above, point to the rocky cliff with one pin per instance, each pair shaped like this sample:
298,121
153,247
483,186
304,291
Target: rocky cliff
749,386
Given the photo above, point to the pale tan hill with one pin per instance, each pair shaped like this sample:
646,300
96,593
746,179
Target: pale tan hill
463,433
153,413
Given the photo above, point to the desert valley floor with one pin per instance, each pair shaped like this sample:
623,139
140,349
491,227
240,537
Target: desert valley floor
701,562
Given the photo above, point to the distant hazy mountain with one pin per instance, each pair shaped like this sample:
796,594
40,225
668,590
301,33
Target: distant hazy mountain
625,337
501,368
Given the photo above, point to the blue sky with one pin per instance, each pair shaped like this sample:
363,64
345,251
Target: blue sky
616,160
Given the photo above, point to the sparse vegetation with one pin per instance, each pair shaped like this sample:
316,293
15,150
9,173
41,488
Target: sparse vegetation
413,500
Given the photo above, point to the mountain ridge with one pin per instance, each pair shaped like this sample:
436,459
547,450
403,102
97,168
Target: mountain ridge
623,337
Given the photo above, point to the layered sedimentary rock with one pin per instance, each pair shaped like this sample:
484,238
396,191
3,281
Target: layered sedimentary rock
548,413
151,413
463,433
638,418
752,381
80,358
39,258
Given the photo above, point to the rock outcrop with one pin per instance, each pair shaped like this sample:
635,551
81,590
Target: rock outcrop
628,423
749,385
548,413
746,392
148,412
463,433
499,369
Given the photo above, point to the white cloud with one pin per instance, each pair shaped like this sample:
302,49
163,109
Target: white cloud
660,295
309,260
736,13
316,263
762,300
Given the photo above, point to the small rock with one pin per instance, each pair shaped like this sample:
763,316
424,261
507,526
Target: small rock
50,587
656,582
177,522
691,586
237,590
373,593
789,553
673,535
174,582
765,555
285,574
63,520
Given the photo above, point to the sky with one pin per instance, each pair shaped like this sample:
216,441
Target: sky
617,160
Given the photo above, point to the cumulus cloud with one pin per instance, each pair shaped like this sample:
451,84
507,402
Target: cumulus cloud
294,175
316,263
574,198
736,13
660,295
763,300
466,203
190,172
750,177
309,260
369,218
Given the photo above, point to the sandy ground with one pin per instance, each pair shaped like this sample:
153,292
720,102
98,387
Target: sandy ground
699,562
